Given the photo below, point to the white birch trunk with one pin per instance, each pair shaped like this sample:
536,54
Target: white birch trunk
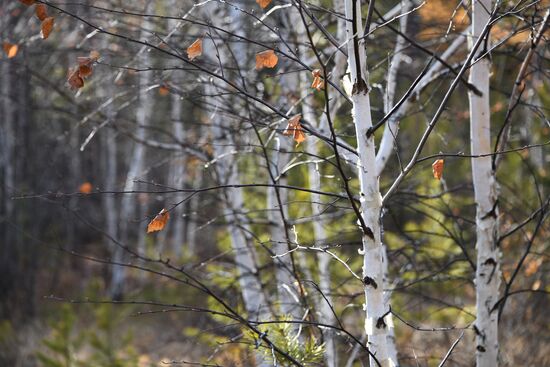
488,254
371,200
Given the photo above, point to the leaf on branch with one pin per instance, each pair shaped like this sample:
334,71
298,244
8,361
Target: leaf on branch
164,90
47,26
85,188
195,50
437,168
295,130
74,80
318,82
89,60
28,2
263,3
159,222
10,49
41,11
266,59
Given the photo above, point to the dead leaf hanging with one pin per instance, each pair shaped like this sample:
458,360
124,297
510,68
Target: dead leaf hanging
195,50
10,49
295,130
74,80
159,222
266,59
437,168
47,26
85,188
263,3
41,11
318,82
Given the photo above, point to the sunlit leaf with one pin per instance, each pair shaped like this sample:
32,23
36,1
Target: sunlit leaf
266,59
85,188
318,82
41,11
46,28
159,222
295,130
263,3
437,168
195,50
10,49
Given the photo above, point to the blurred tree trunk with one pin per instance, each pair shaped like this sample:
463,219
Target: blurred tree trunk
488,254
135,168
8,256
371,200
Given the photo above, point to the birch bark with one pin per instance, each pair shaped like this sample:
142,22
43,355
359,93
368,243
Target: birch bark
488,254
371,200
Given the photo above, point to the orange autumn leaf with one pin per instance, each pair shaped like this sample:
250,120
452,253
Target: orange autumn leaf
28,2
74,80
195,50
46,28
318,82
163,90
266,59
263,3
159,222
10,49
437,168
295,130
85,188
41,11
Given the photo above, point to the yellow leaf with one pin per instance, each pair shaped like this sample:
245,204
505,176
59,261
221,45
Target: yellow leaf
266,59
10,49
263,3
437,168
195,50
159,222
46,28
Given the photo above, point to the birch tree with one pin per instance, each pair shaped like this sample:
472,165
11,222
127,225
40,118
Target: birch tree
488,273
370,198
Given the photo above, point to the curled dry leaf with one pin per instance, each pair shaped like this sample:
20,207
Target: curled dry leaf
47,26
266,59
10,49
263,3
74,80
437,168
195,50
41,11
84,71
159,222
295,130
85,188
318,82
